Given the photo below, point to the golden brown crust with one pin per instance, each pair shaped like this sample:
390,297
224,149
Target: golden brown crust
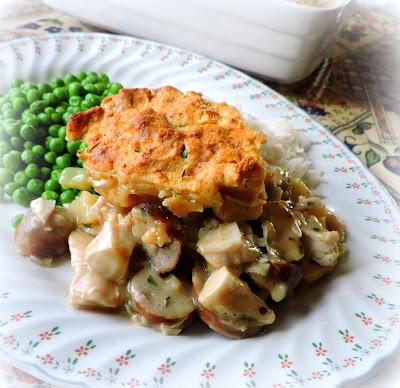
165,144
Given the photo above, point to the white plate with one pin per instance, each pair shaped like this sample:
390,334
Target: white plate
334,332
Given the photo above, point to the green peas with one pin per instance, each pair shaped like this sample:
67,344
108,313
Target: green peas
86,105
50,99
35,186
32,171
30,119
89,87
16,220
28,145
115,87
6,106
62,132
44,88
53,130
52,185
33,95
66,117
75,100
10,114
55,175
21,178
69,78
50,195
5,176
61,93
95,100
26,86
45,118
75,89
4,147
73,146
56,117
1,194
28,156
12,160
61,110
19,103
79,162
104,78
63,161
83,146
100,87
38,149
56,82
45,173
57,145
21,196
10,187
16,83
37,107
16,142
67,196
92,78
11,128
81,75
28,132
50,157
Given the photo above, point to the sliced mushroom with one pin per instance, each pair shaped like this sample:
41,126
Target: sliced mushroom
43,232
160,302
226,245
227,305
88,288
333,222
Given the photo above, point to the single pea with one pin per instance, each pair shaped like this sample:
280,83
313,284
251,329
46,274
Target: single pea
62,132
61,93
50,99
55,175
12,160
19,103
49,110
6,176
21,178
28,132
50,195
16,220
37,107
79,162
35,186
33,95
66,117
104,78
6,106
38,149
89,87
92,78
75,100
32,171
56,117
81,75
45,118
10,187
86,105
15,93
75,109
100,87
57,145
21,196
75,89
69,78
67,196
45,173
11,127
28,157
4,147
73,146
93,98
115,87
83,146
16,142
56,82
16,83
27,85
44,88
10,114
50,157
47,141
28,145
53,130
30,119
63,161
61,110
52,185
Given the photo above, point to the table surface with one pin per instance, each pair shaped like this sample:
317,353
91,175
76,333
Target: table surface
355,93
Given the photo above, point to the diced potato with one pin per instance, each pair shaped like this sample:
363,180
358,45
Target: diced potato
81,208
75,178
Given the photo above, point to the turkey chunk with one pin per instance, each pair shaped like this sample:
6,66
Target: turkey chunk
320,244
226,245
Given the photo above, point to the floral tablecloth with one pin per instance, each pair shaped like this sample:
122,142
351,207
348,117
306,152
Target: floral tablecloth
355,93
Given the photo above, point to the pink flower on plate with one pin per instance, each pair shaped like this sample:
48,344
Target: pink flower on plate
343,169
387,280
348,338
8,339
387,210
164,368
317,375
82,351
376,193
133,383
350,361
320,351
355,185
394,320
286,364
90,372
376,342
207,373
249,372
17,317
278,386
122,360
46,336
366,320
47,359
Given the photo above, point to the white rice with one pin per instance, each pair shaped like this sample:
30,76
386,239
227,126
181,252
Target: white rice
284,149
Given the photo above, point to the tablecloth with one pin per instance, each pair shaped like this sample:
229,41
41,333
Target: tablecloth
355,93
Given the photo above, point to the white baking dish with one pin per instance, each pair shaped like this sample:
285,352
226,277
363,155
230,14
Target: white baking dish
277,39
